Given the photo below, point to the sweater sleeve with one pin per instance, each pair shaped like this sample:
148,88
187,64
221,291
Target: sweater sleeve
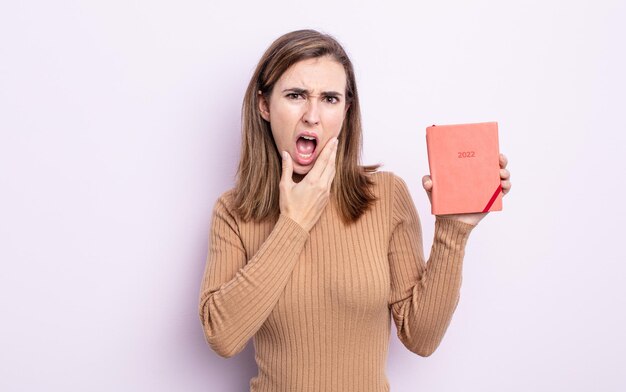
423,296
237,295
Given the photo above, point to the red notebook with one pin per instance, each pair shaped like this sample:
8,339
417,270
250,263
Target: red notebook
464,161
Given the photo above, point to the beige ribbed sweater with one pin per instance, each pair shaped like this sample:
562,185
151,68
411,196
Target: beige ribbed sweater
319,304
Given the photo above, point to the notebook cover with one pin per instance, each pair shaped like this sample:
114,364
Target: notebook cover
464,161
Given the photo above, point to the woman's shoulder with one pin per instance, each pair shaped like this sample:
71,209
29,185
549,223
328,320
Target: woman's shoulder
385,178
226,200
390,186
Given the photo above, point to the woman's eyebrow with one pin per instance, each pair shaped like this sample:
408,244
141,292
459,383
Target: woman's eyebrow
305,91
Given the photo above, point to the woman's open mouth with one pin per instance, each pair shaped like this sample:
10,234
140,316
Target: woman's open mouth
305,149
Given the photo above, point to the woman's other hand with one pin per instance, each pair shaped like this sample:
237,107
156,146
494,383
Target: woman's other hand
473,218
304,201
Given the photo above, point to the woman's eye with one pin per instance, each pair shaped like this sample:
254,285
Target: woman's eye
329,99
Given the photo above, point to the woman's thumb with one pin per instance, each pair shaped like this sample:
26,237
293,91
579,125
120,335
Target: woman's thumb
287,169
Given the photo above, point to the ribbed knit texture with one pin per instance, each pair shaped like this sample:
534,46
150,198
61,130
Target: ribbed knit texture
319,304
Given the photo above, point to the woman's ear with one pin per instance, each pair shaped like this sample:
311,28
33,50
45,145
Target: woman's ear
264,108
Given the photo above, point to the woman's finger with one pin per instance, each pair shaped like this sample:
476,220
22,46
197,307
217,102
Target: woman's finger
329,171
504,174
427,183
506,186
322,161
287,174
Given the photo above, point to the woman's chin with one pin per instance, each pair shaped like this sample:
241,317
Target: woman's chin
301,169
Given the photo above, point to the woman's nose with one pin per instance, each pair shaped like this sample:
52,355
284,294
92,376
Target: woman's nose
311,113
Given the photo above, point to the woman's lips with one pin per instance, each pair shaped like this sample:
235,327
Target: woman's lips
300,156
304,160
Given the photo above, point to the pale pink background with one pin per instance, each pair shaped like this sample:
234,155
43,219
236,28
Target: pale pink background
120,127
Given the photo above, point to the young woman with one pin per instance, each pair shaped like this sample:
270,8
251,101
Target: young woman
312,254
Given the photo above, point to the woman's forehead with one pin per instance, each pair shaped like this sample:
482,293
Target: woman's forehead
316,74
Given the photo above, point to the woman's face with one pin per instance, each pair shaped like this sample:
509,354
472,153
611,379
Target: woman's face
308,99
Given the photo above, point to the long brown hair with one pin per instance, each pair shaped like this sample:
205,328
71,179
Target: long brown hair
256,194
